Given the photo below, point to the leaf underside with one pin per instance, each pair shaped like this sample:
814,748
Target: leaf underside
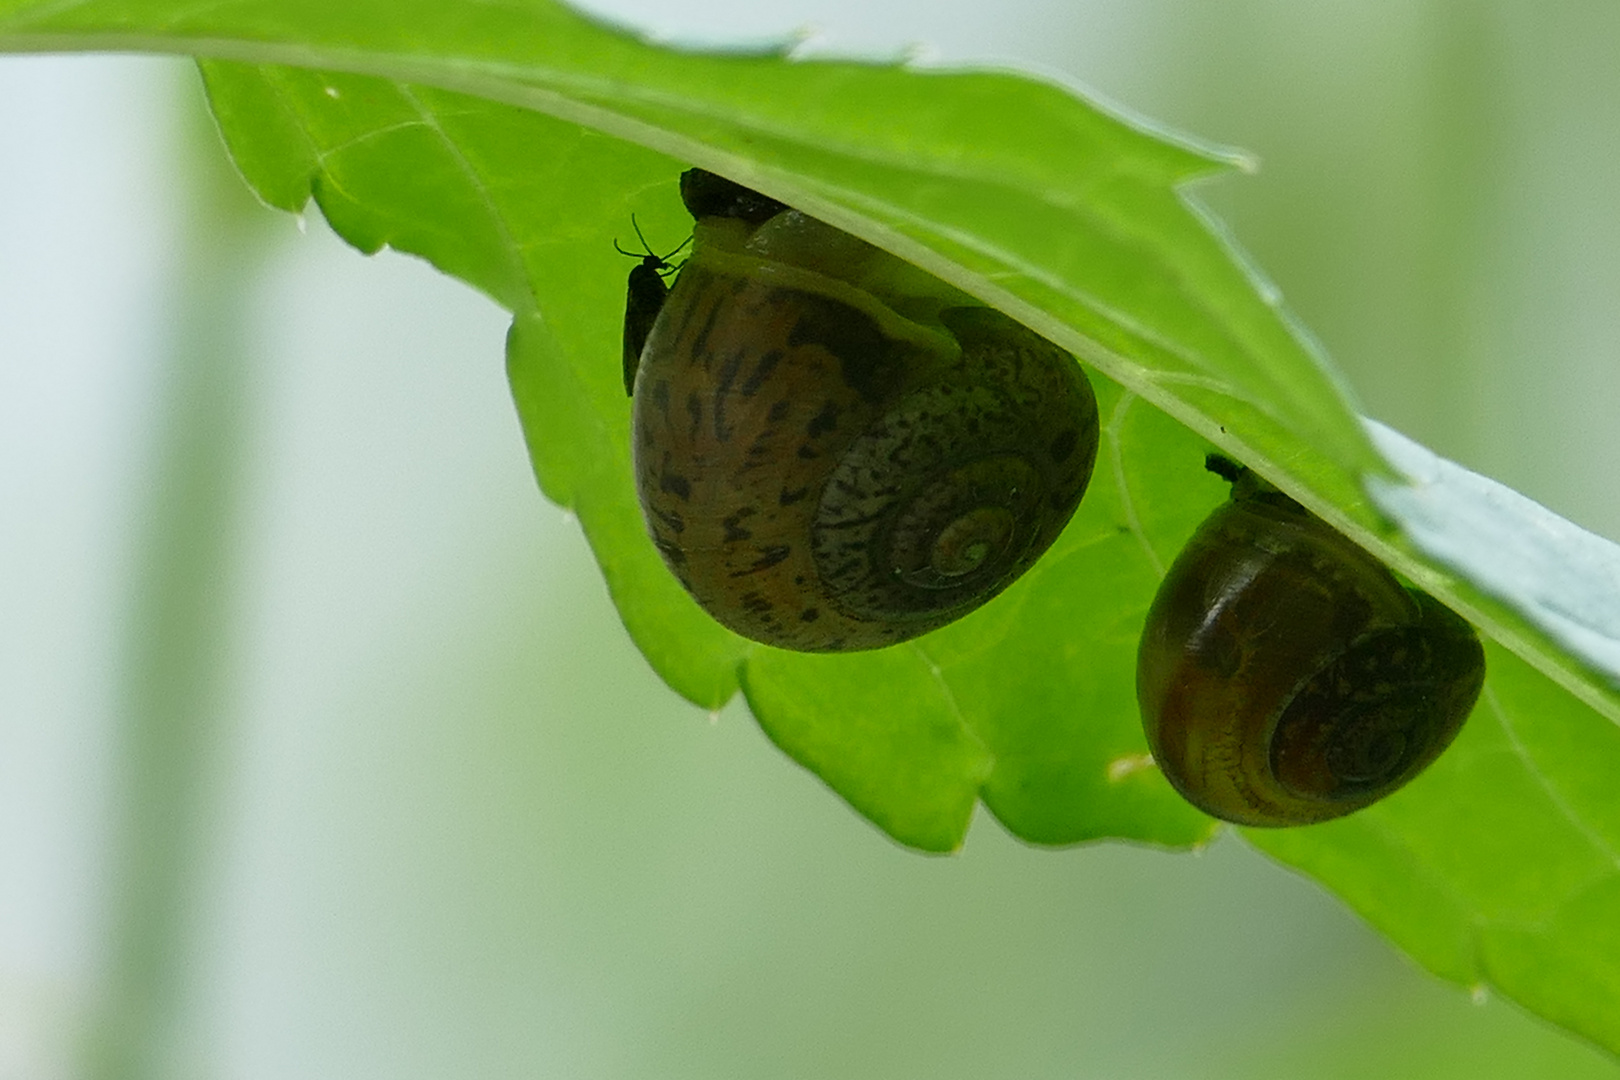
511,145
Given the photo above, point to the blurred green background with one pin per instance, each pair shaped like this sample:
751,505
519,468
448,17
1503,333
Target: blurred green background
322,753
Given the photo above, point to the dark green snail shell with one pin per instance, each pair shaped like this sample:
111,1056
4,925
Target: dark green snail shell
1286,677
833,449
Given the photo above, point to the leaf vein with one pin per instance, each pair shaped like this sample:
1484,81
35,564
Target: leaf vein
509,243
1116,459
1543,781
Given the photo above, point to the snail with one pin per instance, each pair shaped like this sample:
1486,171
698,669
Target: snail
1285,676
833,449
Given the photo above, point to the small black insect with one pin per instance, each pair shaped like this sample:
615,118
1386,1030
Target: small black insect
644,298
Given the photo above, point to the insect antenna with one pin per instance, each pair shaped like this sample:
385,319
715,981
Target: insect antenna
649,257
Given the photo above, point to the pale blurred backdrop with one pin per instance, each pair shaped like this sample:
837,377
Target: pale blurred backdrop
322,753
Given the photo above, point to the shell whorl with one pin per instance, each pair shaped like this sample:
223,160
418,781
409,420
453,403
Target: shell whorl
955,489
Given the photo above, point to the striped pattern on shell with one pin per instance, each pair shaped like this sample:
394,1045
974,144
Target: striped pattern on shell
819,482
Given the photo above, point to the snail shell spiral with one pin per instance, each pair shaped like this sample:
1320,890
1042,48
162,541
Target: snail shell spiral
1286,677
835,450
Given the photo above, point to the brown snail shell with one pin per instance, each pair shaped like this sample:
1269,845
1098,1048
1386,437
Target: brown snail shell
1286,677
835,450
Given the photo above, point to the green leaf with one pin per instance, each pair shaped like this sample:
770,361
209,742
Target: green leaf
1519,891
511,144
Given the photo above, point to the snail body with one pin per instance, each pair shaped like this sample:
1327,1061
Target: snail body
1286,677
835,450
